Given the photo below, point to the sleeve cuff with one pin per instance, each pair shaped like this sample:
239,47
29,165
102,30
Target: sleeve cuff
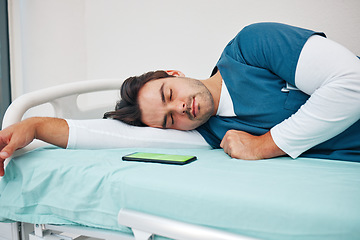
71,144
279,139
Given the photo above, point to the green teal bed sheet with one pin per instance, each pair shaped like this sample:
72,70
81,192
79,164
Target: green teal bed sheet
277,199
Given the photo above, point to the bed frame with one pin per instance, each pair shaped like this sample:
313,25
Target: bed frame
144,226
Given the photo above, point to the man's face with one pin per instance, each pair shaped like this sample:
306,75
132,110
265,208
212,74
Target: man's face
177,103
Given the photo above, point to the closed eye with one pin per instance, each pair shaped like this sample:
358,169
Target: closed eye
170,94
172,118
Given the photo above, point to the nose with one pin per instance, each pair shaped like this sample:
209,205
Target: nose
178,107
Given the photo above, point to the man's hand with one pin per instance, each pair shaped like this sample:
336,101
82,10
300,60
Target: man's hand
19,135
242,145
14,137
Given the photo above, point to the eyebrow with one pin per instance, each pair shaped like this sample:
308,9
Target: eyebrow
163,100
162,93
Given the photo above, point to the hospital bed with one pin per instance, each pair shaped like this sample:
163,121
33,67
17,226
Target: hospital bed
53,193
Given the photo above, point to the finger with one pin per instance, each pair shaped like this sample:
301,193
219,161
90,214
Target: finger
223,143
2,172
4,141
229,153
224,139
7,151
227,148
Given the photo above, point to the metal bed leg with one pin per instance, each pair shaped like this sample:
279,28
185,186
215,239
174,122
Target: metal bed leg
10,231
41,233
68,232
25,230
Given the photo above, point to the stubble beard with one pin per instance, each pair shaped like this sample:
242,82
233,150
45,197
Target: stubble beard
205,102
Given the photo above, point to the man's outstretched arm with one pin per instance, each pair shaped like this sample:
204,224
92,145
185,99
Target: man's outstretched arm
51,130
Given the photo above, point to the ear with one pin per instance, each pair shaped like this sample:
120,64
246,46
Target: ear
175,73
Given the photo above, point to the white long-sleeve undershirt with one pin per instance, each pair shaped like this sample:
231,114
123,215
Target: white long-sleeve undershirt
330,74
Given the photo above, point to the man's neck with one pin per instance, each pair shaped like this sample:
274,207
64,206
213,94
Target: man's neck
214,85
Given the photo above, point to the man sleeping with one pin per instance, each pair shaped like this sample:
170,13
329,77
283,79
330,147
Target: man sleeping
276,90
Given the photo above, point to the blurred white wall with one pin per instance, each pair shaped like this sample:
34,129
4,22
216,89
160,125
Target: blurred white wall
60,41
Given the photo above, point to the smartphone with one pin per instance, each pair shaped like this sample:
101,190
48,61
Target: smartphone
159,158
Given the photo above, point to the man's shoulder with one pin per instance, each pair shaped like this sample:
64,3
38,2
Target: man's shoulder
270,29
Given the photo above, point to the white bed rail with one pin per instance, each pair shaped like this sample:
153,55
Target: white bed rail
145,225
62,97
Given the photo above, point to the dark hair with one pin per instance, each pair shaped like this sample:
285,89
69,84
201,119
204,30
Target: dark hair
127,109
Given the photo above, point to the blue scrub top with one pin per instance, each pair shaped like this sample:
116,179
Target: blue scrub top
255,66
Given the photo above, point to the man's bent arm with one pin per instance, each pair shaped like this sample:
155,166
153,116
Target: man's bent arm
242,145
51,130
325,70
331,75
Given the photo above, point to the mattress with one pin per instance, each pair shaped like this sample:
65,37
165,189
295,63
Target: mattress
279,198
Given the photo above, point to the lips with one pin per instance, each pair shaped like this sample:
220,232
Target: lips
193,108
